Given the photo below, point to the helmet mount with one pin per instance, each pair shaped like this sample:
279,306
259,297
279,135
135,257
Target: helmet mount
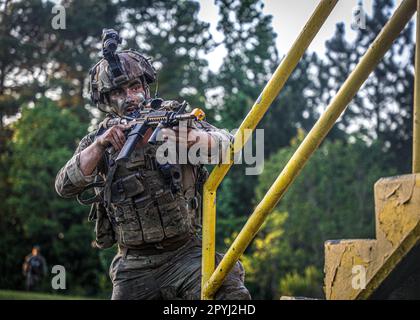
116,69
110,42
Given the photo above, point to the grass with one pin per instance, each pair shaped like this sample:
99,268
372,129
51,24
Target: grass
22,295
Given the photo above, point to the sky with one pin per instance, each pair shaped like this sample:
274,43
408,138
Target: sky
289,17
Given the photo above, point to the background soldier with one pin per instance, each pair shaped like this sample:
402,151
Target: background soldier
34,269
152,211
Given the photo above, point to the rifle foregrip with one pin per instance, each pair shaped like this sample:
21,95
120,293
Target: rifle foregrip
133,138
127,149
153,137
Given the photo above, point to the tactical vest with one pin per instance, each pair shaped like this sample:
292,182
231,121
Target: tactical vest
148,203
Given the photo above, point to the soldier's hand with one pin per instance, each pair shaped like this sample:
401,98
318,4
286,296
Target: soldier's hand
187,136
113,136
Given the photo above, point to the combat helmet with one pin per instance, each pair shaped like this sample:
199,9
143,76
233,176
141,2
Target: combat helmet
116,69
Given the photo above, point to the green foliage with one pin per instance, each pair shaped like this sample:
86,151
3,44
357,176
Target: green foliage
44,139
56,63
262,265
306,285
331,199
24,31
75,49
383,108
173,36
251,57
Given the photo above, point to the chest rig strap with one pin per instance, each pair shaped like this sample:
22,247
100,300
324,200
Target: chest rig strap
96,198
108,183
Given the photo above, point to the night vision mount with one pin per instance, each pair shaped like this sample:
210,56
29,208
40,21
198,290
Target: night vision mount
110,42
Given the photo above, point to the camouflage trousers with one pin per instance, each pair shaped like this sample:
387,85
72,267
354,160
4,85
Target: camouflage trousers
33,282
170,275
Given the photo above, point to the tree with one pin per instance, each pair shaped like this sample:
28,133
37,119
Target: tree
172,35
251,57
44,139
382,109
331,199
251,60
306,285
77,49
24,37
262,263
38,60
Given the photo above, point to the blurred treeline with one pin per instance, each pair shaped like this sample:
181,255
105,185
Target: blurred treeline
45,111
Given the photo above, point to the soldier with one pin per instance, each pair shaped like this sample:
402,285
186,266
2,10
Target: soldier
156,226
34,269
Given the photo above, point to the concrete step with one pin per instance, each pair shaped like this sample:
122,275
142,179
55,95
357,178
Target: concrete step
355,269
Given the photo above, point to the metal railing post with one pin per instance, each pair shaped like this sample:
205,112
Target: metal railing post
256,113
416,113
321,128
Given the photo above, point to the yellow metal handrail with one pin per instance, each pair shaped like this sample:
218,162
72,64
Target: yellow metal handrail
256,113
348,90
416,119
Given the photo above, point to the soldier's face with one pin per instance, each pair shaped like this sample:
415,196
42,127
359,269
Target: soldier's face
127,98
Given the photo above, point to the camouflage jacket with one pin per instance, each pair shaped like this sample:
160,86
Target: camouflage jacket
140,213
70,180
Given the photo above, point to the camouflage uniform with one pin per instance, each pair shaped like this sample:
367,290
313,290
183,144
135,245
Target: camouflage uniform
34,270
151,264
151,213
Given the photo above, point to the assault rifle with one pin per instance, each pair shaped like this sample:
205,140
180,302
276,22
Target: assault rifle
157,119
161,114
